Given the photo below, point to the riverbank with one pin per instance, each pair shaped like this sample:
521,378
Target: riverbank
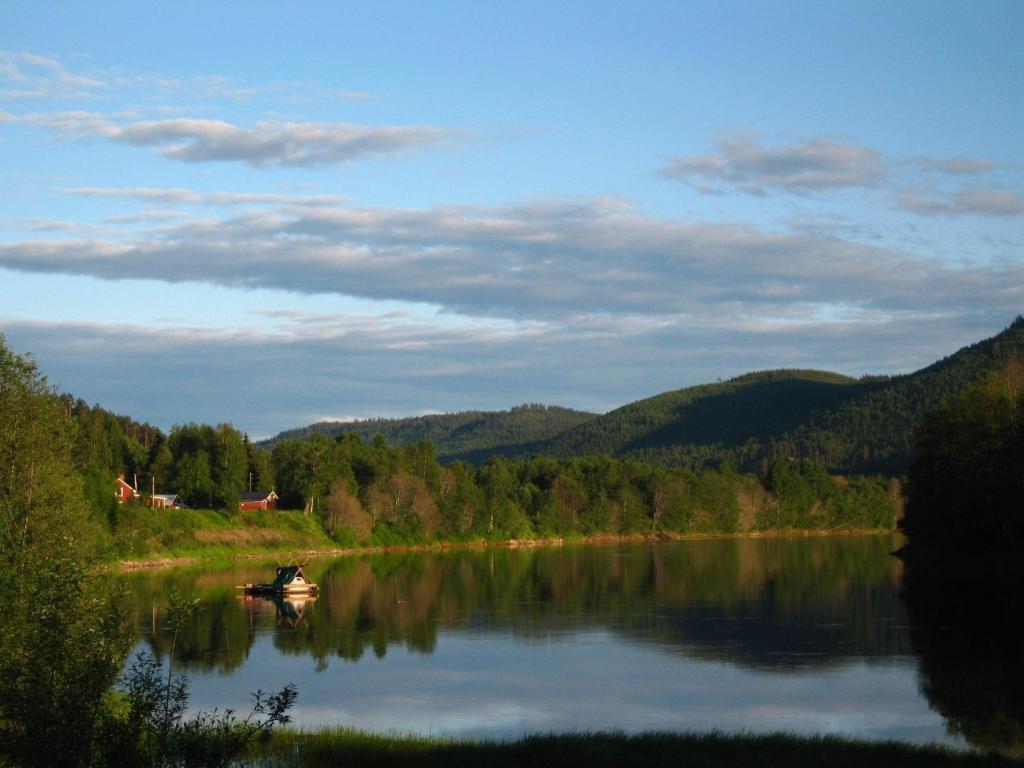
307,545
340,746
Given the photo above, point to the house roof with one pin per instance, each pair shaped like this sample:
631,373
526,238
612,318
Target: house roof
256,495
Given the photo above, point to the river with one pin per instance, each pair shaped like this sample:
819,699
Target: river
804,635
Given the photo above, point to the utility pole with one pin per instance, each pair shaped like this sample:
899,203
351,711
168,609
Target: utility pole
250,482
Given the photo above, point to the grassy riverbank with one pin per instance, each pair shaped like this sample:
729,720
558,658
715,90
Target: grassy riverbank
181,535
332,747
157,538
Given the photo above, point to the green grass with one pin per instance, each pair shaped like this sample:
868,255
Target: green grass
340,746
142,533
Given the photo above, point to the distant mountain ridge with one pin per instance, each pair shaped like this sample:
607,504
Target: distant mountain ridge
849,425
458,435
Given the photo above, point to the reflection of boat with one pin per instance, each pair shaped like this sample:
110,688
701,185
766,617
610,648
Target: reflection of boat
290,609
290,581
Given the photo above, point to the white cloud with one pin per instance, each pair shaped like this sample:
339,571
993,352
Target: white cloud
267,144
172,195
29,76
300,145
746,164
976,201
959,166
546,261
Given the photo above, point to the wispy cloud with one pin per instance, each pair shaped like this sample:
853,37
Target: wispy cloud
925,185
28,76
268,144
298,145
972,201
547,261
959,166
747,164
178,196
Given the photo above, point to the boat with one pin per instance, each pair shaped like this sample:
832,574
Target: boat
290,581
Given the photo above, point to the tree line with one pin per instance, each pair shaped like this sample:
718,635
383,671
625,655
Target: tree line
368,491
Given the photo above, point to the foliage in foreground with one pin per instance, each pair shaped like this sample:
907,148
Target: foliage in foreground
147,727
63,634
333,747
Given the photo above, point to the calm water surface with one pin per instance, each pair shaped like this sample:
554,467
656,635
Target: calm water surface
803,635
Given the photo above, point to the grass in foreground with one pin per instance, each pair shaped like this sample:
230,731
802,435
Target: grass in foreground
346,747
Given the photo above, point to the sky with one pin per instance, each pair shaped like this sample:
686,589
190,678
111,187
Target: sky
274,214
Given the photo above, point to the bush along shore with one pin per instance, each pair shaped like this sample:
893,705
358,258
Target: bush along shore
340,746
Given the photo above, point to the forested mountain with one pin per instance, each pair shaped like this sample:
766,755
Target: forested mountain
471,435
847,425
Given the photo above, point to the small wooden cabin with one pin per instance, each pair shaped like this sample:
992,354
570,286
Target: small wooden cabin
257,500
166,501
123,491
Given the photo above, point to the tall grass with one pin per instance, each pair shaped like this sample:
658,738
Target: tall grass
140,532
341,746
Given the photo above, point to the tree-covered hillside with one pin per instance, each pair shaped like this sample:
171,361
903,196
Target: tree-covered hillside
472,435
847,425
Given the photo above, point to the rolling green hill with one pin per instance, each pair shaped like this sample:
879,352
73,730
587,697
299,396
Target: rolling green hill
848,425
468,433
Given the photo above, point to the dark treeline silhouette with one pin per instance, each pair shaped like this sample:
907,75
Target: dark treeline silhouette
964,587
971,658
967,483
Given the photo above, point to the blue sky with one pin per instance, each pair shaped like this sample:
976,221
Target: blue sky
267,215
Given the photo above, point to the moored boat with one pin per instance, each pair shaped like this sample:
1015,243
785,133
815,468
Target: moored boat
290,581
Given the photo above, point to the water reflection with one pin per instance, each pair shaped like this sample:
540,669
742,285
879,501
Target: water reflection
967,638
675,635
764,603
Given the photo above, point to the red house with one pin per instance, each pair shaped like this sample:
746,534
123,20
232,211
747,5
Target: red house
257,500
123,491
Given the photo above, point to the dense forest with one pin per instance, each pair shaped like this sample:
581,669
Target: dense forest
368,491
457,435
851,426
967,481
372,492
784,429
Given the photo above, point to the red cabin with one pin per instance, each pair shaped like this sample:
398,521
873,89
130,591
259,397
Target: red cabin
123,491
257,500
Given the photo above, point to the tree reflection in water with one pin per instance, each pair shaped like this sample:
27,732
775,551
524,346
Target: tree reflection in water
967,638
764,603
775,605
